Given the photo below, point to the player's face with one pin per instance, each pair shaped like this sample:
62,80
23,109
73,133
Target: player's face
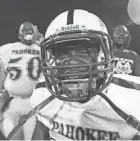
72,54
27,33
75,55
121,37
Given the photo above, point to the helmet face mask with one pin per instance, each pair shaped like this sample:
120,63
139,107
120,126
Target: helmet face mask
73,67
26,33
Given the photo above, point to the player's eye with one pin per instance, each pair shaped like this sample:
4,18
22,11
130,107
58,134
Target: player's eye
24,31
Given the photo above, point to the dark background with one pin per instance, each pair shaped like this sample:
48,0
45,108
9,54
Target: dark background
41,12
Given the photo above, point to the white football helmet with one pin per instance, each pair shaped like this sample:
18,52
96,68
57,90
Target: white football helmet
71,61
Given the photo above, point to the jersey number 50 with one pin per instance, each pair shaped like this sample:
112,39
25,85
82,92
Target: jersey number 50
33,68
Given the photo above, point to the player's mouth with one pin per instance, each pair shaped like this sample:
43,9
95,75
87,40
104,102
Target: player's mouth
28,37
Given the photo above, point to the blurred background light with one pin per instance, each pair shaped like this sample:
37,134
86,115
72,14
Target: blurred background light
133,10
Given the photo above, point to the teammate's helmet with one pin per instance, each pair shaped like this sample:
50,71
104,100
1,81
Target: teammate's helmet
121,36
77,56
27,32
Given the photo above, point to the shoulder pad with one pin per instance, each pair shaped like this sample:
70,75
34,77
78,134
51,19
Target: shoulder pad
126,83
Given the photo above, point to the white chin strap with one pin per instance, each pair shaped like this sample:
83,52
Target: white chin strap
28,37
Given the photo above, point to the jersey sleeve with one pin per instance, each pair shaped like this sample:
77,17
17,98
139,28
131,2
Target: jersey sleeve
5,53
126,95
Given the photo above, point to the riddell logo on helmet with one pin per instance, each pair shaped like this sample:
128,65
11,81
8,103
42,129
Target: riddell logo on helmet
70,28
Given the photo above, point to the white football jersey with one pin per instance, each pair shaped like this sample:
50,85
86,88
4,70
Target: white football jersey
22,64
94,120
2,75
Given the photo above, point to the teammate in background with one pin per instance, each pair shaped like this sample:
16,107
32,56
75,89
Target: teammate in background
126,60
22,61
76,75
22,66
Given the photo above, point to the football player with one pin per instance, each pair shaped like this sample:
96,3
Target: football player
126,60
22,66
77,76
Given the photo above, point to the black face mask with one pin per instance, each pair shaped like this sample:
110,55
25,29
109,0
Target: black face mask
72,69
